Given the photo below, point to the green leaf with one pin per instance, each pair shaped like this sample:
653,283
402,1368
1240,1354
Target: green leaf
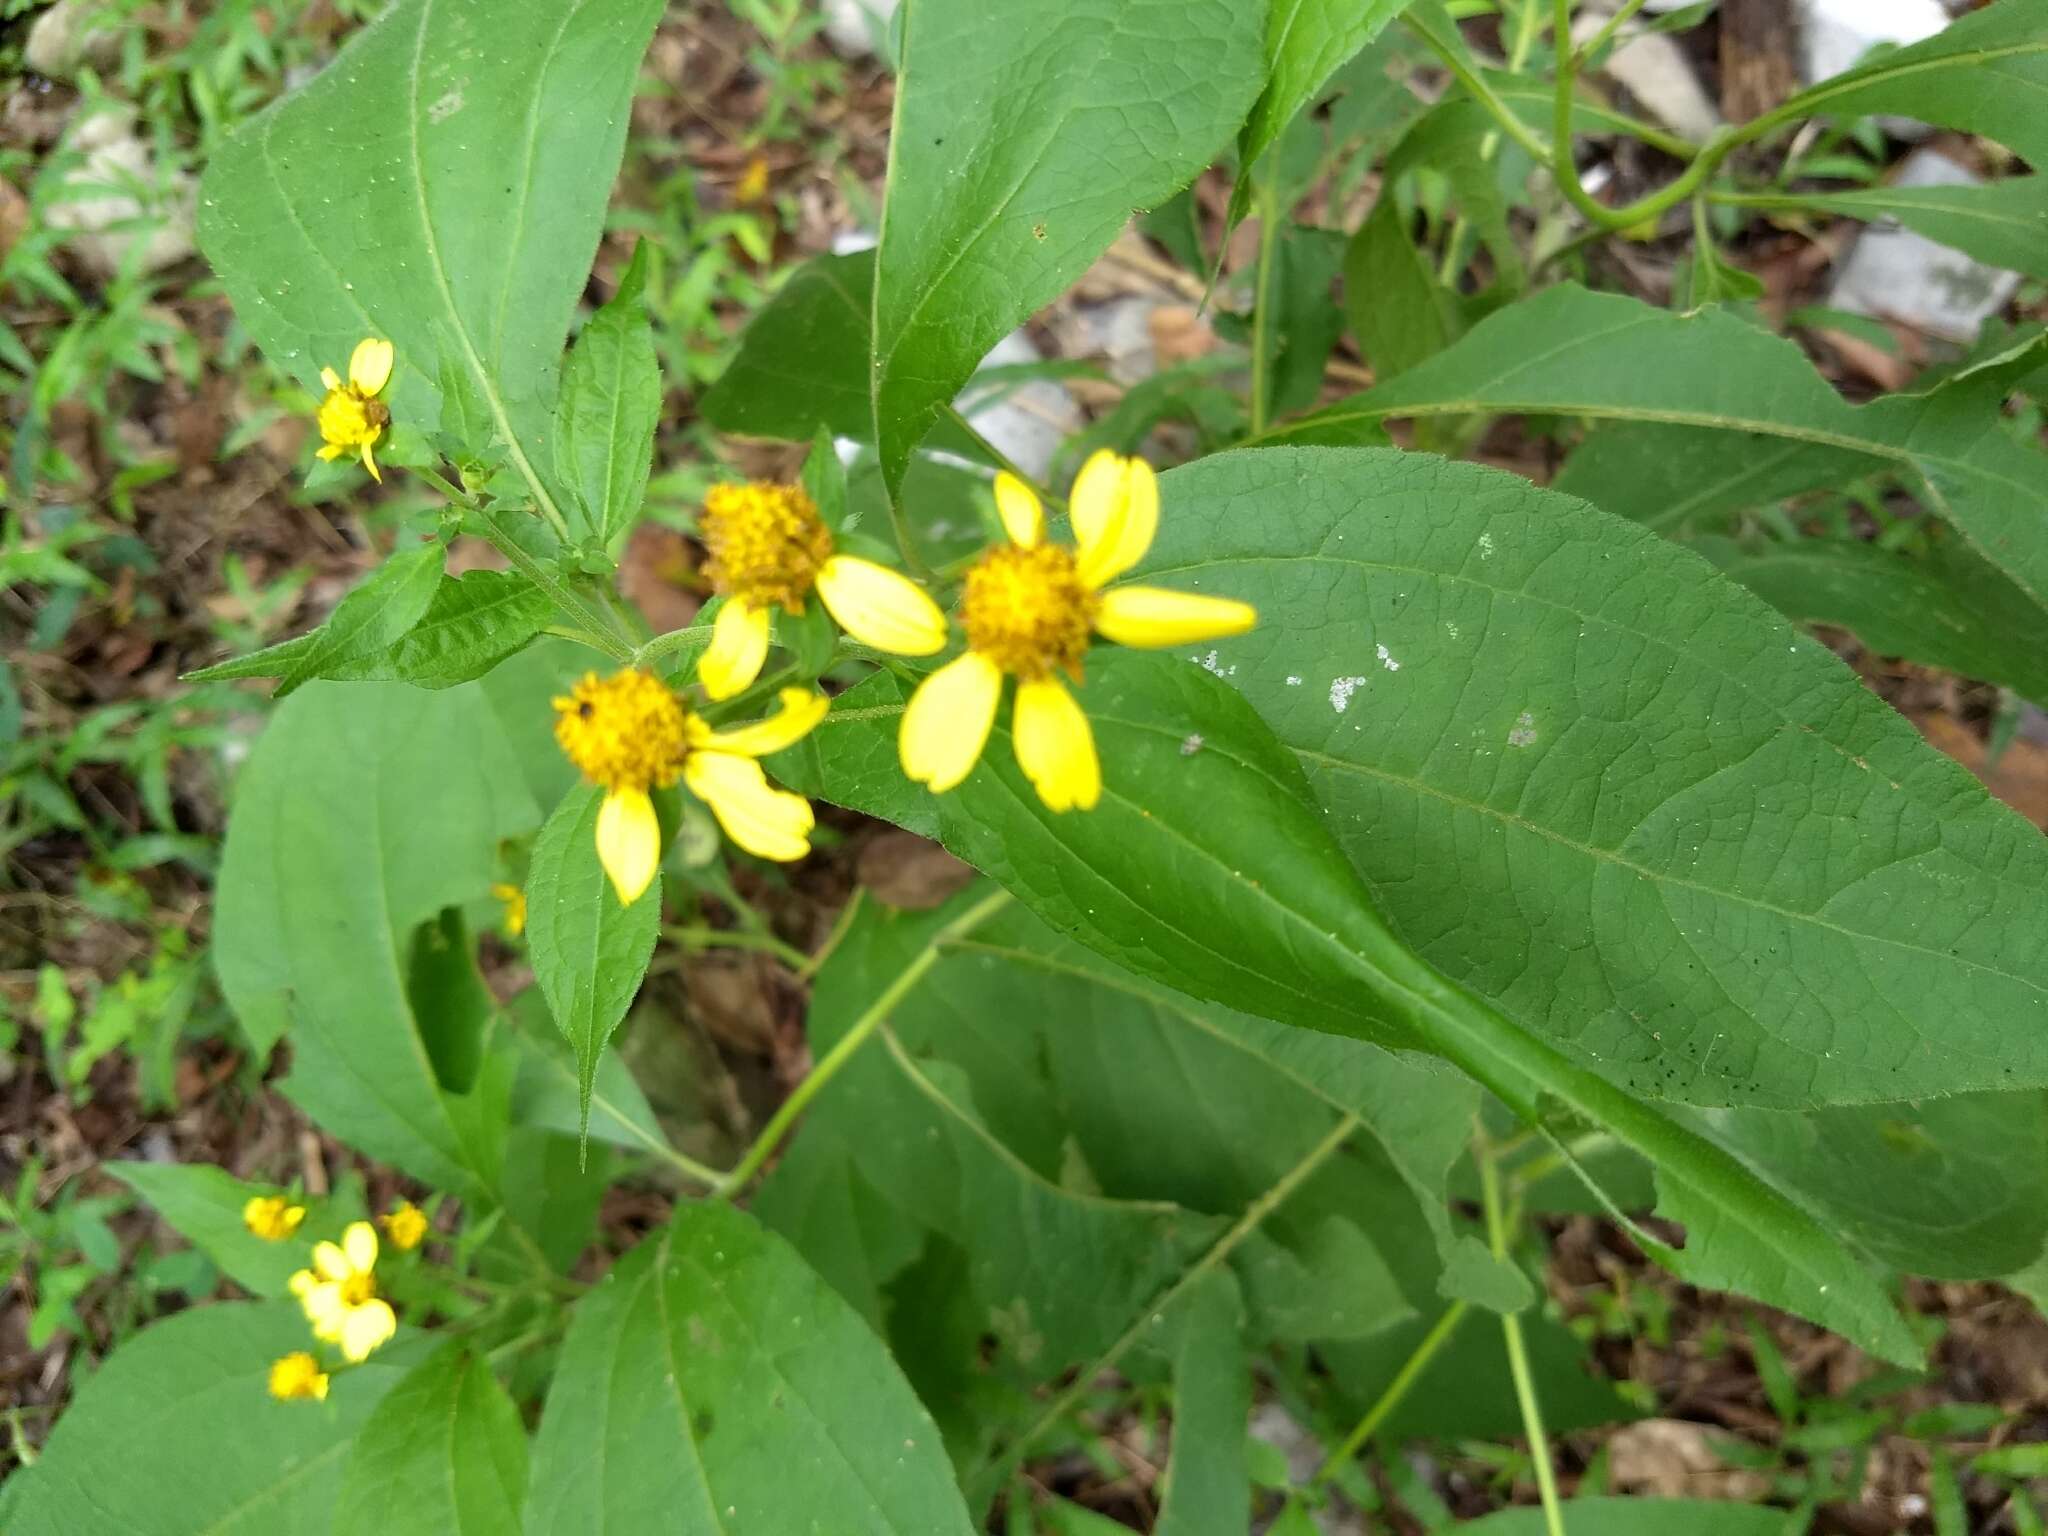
371,619
610,406
466,425
449,998
1946,608
365,810
1398,310
712,1383
1632,1517
548,1093
1208,1483
1068,121
589,953
203,1204
2002,223
802,362
178,1433
1983,73
1307,42
442,184
1568,351
444,1455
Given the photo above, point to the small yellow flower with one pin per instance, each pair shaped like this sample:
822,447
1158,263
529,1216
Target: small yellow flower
753,183
298,1376
272,1217
352,417
405,1226
339,1294
515,908
630,734
1029,609
770,549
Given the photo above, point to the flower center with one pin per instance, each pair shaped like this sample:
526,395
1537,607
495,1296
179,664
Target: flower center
349,419
766,542
1028,611
626,731
359,1288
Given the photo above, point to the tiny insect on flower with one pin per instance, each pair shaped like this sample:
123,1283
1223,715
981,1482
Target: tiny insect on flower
769,549
514,900
1030,610
339,1294
298,1377
630,734
405,1226
352,418
272,1217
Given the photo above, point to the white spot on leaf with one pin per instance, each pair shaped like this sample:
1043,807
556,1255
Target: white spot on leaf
1386,658
1341,690
1524,732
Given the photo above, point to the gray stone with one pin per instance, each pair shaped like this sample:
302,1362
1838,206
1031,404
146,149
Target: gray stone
118,200
64,37
859,28
1896,274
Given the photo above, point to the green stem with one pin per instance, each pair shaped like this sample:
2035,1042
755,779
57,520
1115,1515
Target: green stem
596,624
1397,1390
1262,298
1254,1216
1476,86
1518,1354
850,1043
733,938
1605,35
840,926
667,644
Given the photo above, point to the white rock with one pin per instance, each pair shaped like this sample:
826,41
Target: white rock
117,198
859,28
63,38
1899,275
1654,70
1837,33
1026,421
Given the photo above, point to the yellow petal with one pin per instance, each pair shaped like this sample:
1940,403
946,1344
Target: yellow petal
369,366
1056,747
629,842
329,380
365,1328
1115,510
948,721
330,1262
802,709
370,461
303,1283
739,647
1154,616
325,1310
1017,505
768,822
881,607
331,452
359,1245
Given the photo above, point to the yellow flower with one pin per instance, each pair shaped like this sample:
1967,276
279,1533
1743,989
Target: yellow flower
630,733
769,549
405,1226
352,417
298,1375
1029,609
272,1217
339,1294
515,908
753,183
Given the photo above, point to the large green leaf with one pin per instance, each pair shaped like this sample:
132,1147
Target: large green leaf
203,1204
178,1433
364,811
802,362
2002,223
1307,41
371,619
444,1455
611,403
1569,351
589,951
1615,793
441,184
1026,134
712,1385
1946,608
1208,1485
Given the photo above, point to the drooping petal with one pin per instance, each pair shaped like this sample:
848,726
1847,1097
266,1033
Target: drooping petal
629,842
329,380
365,1328
370,461
801,710
330,1262
369,366
1115,510
948,721
1017,504
881,607
359,1244
1056,746
768,822
739,647
1151,617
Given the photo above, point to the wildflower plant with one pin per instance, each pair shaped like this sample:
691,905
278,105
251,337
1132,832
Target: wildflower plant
1369,845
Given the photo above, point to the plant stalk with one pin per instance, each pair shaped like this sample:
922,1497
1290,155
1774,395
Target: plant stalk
1262,301
1518,1355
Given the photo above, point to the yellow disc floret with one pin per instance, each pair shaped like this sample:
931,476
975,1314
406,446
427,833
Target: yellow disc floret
1028,611
767,543
347,420
625,732
298,1377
